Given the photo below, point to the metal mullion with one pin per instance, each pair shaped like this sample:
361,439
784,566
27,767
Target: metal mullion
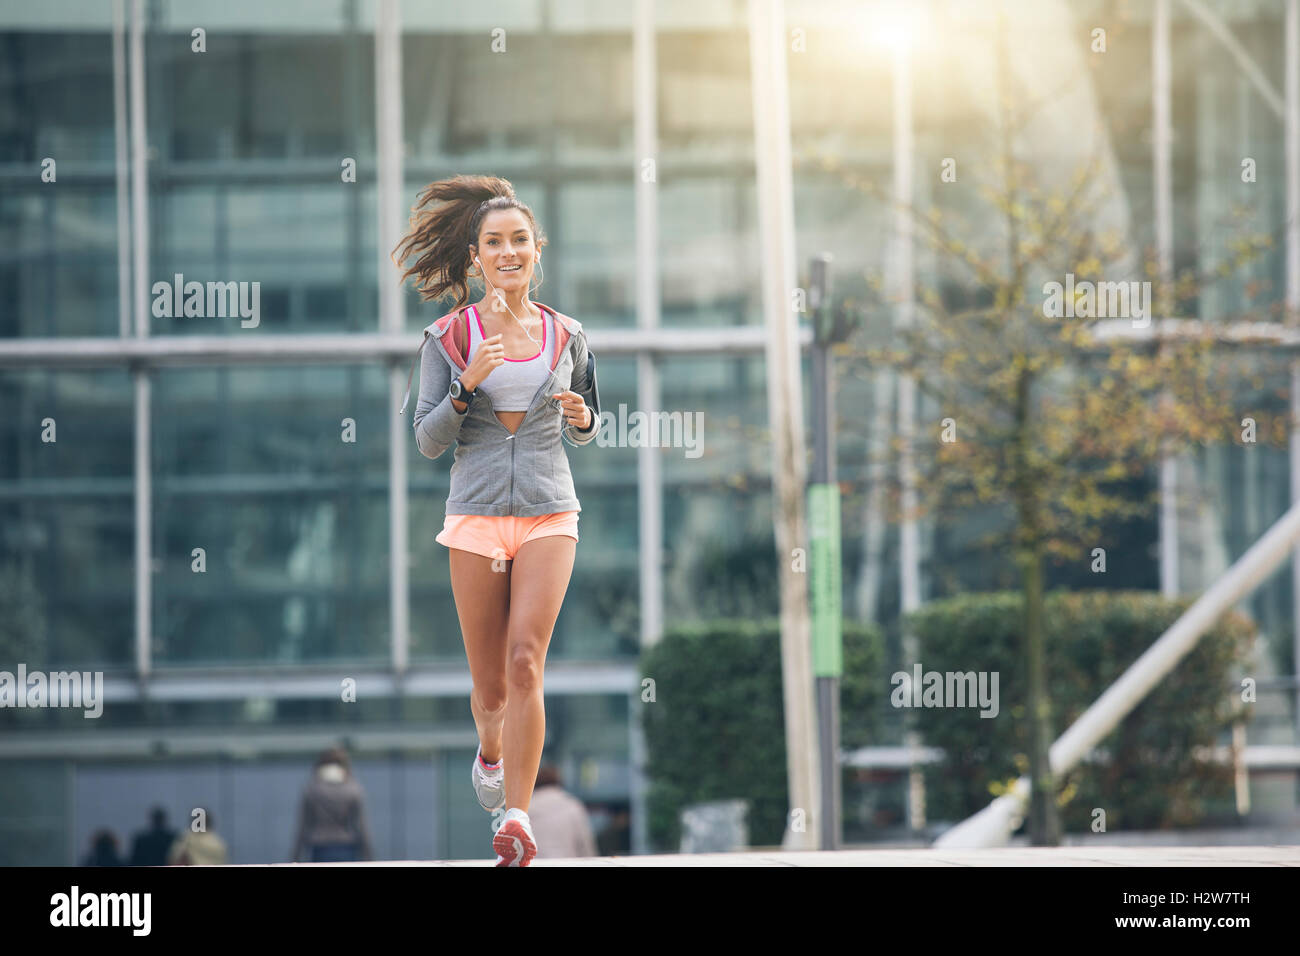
388,147
140,374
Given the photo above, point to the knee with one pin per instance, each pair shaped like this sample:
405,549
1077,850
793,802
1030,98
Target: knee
490,697
524,671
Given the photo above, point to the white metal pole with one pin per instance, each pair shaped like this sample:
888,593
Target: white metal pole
768,80
1254,567
348,348
1161,157
903,293
649,472
1215,25
649,475
121,165
139,171
909,541
388,144
141,379
1292,81
392,318
873,521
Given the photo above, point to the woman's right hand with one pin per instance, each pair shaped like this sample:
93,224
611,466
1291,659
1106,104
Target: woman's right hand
490,353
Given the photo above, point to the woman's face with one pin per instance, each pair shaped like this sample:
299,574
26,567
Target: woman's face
506,251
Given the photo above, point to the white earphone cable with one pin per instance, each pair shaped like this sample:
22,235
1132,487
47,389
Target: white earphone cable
502,299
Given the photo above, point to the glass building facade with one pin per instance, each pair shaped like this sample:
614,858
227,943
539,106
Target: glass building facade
262,490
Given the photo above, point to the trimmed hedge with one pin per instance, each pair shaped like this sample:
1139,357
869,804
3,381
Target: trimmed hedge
716,728
1150,777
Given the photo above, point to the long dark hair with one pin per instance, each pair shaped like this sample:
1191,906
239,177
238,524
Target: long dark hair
445,221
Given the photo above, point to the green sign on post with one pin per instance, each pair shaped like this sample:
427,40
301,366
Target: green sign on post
824,563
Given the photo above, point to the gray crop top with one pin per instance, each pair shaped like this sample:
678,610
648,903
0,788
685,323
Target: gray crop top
512,385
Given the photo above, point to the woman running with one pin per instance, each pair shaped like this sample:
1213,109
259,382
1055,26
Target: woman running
499,382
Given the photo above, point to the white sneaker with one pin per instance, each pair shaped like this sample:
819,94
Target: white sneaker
489,785
514,840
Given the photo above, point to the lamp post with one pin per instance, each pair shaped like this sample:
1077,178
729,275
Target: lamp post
824,552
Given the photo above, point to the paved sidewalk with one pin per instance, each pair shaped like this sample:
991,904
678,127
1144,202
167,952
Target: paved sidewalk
1072,856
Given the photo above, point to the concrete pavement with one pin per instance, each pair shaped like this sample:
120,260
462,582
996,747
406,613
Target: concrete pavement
1071,856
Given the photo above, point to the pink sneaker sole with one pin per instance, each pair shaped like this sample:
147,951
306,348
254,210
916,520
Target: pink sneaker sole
513,845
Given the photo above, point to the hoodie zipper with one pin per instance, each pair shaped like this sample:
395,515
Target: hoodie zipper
550,375
510,438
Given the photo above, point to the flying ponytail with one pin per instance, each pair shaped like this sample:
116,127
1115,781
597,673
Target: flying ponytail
445,221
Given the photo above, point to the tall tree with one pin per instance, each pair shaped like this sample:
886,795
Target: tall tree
1042,417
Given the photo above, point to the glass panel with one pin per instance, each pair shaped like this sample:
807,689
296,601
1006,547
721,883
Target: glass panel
708,242
66,518
567,122
248,192
719,548
58,212
258,467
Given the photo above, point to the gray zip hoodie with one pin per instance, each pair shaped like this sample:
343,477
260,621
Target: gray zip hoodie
496,473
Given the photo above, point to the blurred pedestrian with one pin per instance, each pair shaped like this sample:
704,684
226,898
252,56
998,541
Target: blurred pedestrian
103,850
149,847
332,816
198,848
560,821
615,837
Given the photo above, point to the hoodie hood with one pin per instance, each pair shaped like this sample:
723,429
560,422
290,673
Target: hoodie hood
443,330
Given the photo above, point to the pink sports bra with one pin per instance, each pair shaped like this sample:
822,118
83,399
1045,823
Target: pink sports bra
512,385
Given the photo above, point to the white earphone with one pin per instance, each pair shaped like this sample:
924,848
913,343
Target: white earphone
502,299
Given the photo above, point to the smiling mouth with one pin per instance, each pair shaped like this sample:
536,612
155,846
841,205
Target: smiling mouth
509,268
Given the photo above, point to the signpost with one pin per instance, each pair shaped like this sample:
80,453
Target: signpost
824,554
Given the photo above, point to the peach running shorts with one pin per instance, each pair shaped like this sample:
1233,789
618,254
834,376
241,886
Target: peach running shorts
501,536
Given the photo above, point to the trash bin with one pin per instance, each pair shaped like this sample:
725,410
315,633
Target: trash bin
719,826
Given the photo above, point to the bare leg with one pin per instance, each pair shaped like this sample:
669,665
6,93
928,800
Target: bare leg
538,582
483,605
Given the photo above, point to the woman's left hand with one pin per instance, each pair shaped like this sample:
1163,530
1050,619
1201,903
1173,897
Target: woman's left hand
576,411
